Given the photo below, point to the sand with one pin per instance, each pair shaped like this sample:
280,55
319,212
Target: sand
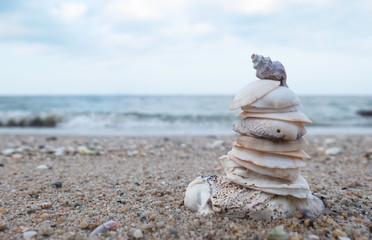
140,183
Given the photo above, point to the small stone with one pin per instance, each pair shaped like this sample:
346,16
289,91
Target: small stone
343,238
8,151
313,237
28,235
137,233
57,184
1,164
42,167
339,233
17,156
84,225
2,210
277,233
333,151
3,226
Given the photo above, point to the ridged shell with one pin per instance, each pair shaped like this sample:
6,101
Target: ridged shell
296,116
266,69
252,92
290,174
297,154
266,145
249,179
216,194
269,129
280,97
270,110
266,159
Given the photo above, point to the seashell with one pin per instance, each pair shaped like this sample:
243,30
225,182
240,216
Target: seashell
249,179
290,174
266,145
223,197
269,129
46,205
296,116
270,110
29,235
297,154
266,69
252,92
107,226
280,97
266,159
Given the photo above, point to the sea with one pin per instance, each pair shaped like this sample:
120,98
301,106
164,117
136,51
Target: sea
124,115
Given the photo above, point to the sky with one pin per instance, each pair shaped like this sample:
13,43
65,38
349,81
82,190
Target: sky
182,46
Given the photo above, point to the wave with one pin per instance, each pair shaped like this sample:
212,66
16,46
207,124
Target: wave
104,119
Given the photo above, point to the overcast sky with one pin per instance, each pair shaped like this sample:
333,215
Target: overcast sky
182,46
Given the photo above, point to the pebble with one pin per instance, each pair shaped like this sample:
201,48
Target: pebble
8,151
343,238
313,237
333,151
339,233
1,164
137,233
277,233
84,225
42,167
57,184
28,235
3,226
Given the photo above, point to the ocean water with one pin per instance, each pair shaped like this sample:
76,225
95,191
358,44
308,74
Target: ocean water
163,115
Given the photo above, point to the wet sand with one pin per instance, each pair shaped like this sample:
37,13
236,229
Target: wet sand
83,182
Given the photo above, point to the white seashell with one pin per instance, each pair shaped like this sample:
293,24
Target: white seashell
297,154
280,97
269,128
270,110
266,159
29,235
333,151
266,145
246,178
229,199
296,116
266,69
290,174
252,92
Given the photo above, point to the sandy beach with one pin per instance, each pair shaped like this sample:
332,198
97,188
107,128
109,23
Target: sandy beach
65,187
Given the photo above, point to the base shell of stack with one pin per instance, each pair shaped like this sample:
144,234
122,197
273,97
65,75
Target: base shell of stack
216,194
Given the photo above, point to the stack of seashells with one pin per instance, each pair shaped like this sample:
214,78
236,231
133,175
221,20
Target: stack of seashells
263,168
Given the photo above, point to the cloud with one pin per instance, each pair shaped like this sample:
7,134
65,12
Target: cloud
143,10
71,12
188,30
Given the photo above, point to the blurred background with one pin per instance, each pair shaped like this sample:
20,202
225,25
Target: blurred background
158,67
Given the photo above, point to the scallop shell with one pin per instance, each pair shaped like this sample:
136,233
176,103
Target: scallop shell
290,174
297,153
266,145
269,128
252,92
296,116
265,159
266,69
249,179
270,110
280,97
216,194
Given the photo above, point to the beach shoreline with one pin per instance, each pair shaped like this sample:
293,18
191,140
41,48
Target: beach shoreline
140,183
